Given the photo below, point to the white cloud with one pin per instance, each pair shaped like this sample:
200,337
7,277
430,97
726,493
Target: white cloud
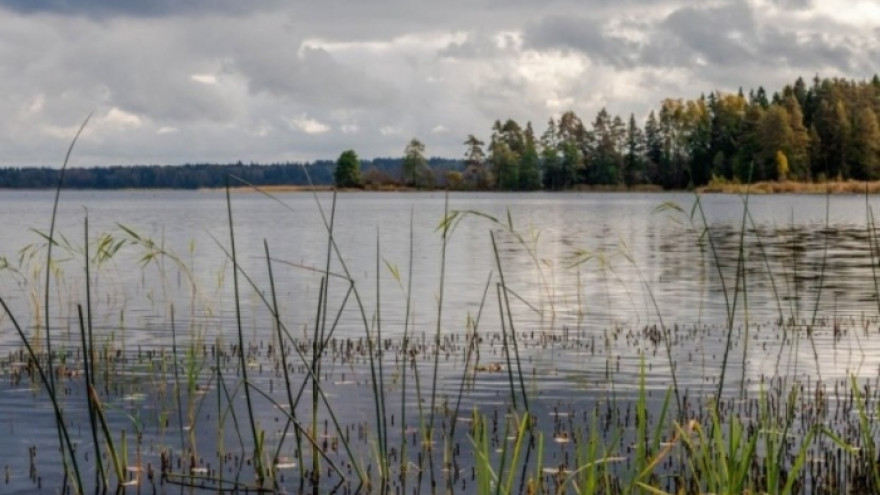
121,118
389,130
34,105
860,13
209,79
307,125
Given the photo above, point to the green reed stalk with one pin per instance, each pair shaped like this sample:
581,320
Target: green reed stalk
176,364
88,360
258,455
485,476
524,423
591,465
774,440
743,275
403,364
423,428
306,364
334,248
221,384
502,462
444,240
221,417
866,430
320,326
276,322
731,309
316,374
432,413
100,474
506,347
472,346
108,437
730,306
506,305
59,419
379,387
316,447
49,252
642,453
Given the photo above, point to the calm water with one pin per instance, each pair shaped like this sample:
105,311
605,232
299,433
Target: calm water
589,276
585,260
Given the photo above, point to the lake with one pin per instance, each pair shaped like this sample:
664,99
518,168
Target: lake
598,286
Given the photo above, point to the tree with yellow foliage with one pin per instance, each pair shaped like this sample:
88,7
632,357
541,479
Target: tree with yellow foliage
781,166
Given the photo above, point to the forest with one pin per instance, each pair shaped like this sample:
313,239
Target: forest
825,130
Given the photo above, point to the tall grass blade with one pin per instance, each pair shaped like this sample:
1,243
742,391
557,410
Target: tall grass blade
510,321
88,347
59,419
242,350
282,347
379,386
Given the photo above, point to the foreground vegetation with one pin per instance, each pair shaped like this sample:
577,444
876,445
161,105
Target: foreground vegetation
221,420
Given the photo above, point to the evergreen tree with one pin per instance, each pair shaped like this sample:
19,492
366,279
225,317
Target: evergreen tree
529,169
414,163
475,173
653,148
348,170
833,124
634,170
865,154
551,164
603,159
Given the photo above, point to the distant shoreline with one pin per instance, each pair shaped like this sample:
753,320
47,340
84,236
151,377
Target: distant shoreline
793,187
768,187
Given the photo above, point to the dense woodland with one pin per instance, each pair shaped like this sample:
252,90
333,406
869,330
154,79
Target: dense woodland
827,129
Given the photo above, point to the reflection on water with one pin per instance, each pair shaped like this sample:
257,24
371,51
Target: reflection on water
598,284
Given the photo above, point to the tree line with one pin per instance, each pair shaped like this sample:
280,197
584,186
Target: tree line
827,130
201,175
824,130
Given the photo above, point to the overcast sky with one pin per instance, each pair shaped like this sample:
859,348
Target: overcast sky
175,81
